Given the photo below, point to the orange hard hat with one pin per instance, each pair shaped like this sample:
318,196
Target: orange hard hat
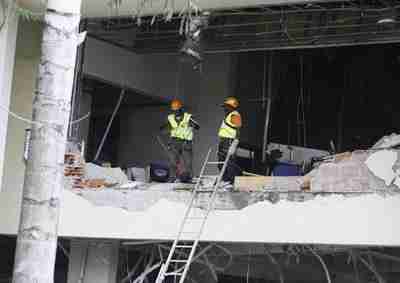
176,104
232,102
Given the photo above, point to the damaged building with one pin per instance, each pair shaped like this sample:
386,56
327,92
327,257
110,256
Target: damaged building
318,197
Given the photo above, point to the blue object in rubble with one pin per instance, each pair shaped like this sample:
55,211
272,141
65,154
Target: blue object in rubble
286,169
159,172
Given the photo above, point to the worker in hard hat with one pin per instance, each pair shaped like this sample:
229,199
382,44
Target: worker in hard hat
180,125
228,132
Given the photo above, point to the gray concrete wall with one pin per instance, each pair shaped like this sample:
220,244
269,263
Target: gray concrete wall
138,144
202,93
25,70
153,74
8,36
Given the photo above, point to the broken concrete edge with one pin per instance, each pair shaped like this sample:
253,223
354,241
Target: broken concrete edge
143,200
365,220
386,142
162,217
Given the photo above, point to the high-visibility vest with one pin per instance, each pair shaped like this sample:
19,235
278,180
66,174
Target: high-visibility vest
227,129
181,130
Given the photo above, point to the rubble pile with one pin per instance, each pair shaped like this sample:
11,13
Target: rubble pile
376,170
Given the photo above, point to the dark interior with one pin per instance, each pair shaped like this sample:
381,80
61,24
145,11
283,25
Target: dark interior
105,98
349,95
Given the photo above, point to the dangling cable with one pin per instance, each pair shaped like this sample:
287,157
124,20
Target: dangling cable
178,79
303,103
248,267
301,120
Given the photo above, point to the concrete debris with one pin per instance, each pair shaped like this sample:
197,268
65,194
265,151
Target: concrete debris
94,184
131,185
347,175
111,176
253,184
137,174
295,154
381,165
390,141
355,172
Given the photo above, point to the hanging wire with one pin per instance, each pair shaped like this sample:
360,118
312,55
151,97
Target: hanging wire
26,120
178,79
248,266
303,103
301,120
264,81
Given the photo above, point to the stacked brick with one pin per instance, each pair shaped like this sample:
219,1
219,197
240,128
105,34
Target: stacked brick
74,169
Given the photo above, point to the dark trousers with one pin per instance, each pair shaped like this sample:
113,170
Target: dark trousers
232,169
181,159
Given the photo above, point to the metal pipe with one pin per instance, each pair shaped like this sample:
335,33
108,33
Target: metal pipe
264,80
121,96
268,111
219,12
388,40
84,263
100,32
303,118
76,90
241,34
341,114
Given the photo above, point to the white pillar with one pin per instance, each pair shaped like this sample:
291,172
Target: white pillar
93,261
8,38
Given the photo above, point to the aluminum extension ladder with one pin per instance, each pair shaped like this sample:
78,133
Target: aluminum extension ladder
182,251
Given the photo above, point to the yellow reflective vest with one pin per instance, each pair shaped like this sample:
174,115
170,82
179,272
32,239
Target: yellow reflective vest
227,129
181,130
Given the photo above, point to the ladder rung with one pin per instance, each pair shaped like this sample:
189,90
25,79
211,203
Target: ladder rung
209,176
184,247
189,238
203,191
173,274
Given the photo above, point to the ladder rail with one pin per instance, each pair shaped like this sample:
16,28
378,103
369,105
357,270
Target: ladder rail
231,151
182,225
194,242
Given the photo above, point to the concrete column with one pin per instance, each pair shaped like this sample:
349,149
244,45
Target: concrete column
93,261
8,37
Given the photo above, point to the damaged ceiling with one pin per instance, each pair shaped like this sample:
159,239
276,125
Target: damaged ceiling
96,8
292,25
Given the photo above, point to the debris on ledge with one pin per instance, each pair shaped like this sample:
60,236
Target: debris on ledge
360,171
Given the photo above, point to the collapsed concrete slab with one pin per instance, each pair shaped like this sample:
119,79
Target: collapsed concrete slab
331,220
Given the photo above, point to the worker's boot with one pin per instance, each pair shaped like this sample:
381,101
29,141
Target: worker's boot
185,178
226,186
